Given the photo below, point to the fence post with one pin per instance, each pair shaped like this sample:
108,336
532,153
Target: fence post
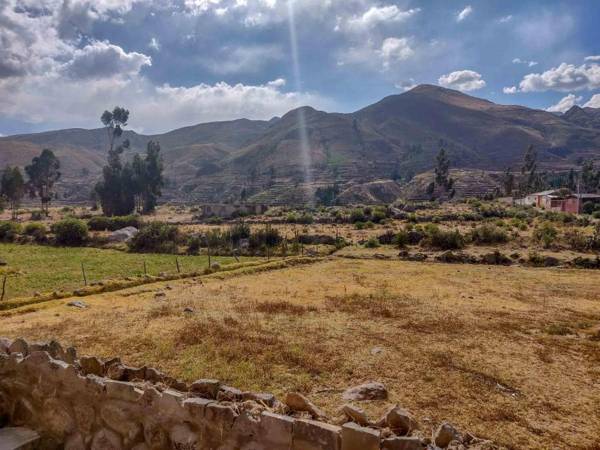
208,250
177,264
83,273
145,268
3,287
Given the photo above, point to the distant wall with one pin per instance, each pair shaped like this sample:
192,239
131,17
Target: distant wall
86,403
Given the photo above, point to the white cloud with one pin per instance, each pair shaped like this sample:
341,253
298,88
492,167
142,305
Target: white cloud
463,80
101,60
394,50
593,102
377,15
42,99
505,19
154,44
391,51
564,78
279,82
510,90
406,85
466,12
244,59
523,61
592,58
565,103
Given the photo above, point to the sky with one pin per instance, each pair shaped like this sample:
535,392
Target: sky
174,63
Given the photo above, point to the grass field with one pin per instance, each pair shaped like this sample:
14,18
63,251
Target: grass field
35,268
508,353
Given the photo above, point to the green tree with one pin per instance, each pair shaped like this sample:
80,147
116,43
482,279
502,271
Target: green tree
154,180
589,179
115,190
442,173
43,173
572,181
508,180
530,179
12,188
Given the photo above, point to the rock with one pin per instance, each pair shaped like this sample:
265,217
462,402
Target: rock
445,434
399,420
19,346
260,397
37,294
309,435
5,345
91,365
189,310
78,304
367,391
355,437
106,439
206,388
123,235
355,414
160,295
298,402
182,438
229,394
403,443
3,262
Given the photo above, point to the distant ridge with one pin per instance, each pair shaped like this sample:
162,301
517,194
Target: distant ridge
398,136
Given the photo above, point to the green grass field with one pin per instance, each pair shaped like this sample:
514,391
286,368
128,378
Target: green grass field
36,268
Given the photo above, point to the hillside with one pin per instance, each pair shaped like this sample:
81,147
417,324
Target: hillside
398,137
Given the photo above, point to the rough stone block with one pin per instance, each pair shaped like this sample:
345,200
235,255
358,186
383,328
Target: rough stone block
206,388
403,443
355,437
19,346
276,431
196,407
313,435
123,390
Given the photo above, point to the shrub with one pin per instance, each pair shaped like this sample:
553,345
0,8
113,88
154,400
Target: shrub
102,223
157,237
401,239
36,230
193,245
36,215
70,232
386,238
588,207
372,243
545,234
305,219
9,231
357,215
443,240
488,234
577,240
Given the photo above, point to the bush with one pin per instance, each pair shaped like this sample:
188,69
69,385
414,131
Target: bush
357,215
545,234
103,223
9,231
36,230
70,232
372,243
193,245
36,215
588,207
156,237
488,234
576,240
305,219
443,240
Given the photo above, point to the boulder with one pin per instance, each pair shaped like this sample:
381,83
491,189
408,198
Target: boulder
91,365
355,414
205,388
298,402
19,346
367,391
399,420
123,235
445,434
78,304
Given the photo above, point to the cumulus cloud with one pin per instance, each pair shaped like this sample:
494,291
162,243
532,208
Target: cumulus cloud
103,60
523,61
564,104
466,12
377,15
593,102
244,59
463,80
154,108
391,51
592,58
154,44
564,78
505,19
510,90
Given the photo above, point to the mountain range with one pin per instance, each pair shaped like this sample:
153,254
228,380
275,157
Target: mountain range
395,138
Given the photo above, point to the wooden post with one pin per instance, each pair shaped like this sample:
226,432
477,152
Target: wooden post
83,273
3,288
208,251
145,268
177,264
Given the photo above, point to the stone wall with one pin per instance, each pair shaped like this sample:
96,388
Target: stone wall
78,402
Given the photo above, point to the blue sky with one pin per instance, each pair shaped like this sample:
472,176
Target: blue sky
176,63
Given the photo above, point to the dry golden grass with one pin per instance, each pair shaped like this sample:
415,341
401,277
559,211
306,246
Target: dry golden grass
508,353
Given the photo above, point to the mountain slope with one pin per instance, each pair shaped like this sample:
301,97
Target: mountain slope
398,136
